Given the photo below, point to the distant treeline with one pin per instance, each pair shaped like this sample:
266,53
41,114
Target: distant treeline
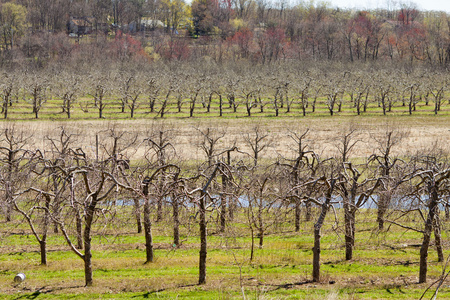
37,31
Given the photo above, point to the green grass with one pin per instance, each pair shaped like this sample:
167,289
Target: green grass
51,110
385,264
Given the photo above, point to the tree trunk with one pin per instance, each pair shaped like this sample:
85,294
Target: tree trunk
8,211
87,257
231,208
223,213
79,224
223,204
159,211
88,273
191,110
176,221
137,215
148,232
349,233
252,248
317,227
297,216
43,246
316,248
43,241
383,204
261,237
5,109
447,211
308,211
432,209
424,255
437,238
203,240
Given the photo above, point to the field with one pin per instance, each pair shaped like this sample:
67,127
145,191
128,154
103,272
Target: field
85,109
422,131
385,263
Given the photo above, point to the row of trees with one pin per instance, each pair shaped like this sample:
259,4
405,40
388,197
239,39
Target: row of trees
281,89
72,185
261,31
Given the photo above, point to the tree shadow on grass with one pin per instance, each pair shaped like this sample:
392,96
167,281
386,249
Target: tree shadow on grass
287,286
33,295
147,295
44,291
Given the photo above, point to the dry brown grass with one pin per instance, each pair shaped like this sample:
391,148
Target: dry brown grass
423,131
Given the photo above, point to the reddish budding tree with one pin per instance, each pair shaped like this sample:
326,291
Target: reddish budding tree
271,44
243,38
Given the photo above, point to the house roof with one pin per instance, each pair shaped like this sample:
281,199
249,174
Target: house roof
152,23
84,21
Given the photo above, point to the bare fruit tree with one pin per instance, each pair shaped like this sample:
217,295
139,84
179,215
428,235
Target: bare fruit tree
13,150
8,88
386,162
35,92
68,89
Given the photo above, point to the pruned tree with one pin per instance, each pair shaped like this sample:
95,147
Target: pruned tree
264,209
435,182
68,89
99,92
437,87
130,92
326,182
386,163
258,140
209,139
126,81
37,201
168,90
153,88
356,185
36,92
425,187
160,150
13,151
333,91
151,189
248,91
202,197
195,89
303,90
297,169
8,89
93,183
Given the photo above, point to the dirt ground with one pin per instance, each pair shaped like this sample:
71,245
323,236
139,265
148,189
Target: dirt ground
414,134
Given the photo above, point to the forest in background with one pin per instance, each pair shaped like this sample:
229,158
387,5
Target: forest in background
36,33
